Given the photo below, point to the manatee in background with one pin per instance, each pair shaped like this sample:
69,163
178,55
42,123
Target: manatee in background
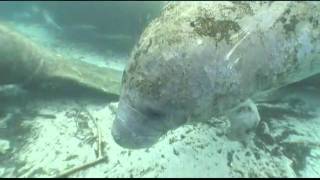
28,65
200,59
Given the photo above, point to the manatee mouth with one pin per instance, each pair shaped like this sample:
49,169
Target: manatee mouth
133,130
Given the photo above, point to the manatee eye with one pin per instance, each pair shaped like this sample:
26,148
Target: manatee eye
153,113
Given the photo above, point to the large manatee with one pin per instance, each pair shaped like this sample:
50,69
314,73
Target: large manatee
200,59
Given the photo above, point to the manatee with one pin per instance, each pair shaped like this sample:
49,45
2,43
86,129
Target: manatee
25,63
200,59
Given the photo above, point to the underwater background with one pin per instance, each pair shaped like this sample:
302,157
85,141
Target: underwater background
61,132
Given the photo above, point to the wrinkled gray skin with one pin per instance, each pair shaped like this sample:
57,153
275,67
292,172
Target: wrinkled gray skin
200,59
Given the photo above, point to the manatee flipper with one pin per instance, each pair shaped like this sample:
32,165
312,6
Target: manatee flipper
243,121
25,63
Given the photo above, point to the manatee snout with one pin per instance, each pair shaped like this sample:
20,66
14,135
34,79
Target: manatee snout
129,138
136,127
141,121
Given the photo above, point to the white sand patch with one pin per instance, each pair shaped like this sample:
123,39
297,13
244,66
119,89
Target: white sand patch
66,141
63,135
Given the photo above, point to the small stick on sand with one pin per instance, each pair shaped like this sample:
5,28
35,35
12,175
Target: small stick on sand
99,142
82,167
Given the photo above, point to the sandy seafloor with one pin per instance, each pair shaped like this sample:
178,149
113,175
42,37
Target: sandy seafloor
49,134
